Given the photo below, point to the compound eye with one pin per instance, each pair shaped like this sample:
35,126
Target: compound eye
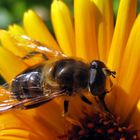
94,65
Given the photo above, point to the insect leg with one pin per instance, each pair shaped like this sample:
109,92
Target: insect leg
101,98
86,100
36,105
33,53
111,85
66,106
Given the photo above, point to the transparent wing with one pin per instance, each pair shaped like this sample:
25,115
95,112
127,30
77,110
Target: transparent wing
9,102
8,97
35,46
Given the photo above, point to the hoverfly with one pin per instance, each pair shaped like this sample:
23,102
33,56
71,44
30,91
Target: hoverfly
58,75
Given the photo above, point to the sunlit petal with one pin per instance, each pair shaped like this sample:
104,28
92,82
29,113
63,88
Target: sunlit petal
54,123
125,18
104,26
24,128
129,79
36,29
85,31
10,65
135,120
9,43
63,27
16,29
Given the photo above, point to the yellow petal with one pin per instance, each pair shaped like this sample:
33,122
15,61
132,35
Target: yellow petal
85,31
36,29
135,120
53,120
125,18
129,75
9,43
17,121
105,26
10,65
63,27
16,30
24,125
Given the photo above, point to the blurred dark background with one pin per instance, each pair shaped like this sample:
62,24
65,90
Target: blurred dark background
11,11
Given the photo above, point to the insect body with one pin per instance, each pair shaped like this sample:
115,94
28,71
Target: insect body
63,76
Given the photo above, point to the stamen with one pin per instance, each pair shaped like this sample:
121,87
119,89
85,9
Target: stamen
101,126
73,122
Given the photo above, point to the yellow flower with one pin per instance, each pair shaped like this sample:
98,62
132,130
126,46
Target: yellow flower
91,35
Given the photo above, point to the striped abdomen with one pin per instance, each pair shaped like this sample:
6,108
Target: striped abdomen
28,84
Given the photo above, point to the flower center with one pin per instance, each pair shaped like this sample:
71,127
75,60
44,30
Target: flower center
101,126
